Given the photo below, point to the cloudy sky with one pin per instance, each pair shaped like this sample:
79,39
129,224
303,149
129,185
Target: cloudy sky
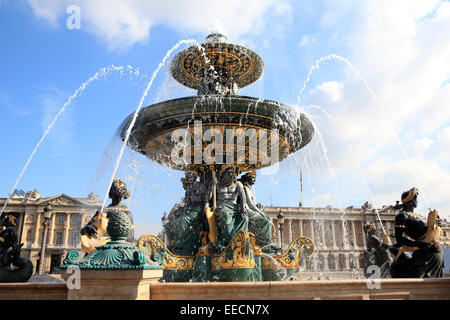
374,77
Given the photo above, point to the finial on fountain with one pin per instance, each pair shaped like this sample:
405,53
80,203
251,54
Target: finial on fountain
216,37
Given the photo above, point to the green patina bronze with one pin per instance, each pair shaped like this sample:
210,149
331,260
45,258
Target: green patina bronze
229,222
117,254
217,232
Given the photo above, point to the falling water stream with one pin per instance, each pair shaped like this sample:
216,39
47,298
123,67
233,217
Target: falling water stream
352,151
108,70
144,95
103,72
368,87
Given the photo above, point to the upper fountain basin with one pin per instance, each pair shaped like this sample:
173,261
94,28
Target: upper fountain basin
228,60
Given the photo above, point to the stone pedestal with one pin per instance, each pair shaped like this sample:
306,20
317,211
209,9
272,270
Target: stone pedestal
113,284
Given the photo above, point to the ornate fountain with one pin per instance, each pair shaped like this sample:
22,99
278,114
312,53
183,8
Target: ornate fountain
218,232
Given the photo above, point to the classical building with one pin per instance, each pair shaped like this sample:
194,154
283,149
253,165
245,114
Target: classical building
338,235
69,216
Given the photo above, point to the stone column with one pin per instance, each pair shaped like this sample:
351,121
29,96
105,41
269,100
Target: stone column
20,226
67,230
289,230
52,231
333,234
344,235
311,225
37,226
322,226
364,235
300,227
354,234
325,261
277,227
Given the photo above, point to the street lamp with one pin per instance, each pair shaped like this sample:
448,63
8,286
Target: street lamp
280,220
47,216
165,220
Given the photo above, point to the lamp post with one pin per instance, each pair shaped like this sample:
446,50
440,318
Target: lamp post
280,220
165,220
47,215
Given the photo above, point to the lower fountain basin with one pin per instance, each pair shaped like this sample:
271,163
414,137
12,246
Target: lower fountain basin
159,128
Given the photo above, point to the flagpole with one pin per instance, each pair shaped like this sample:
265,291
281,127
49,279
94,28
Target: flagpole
301,187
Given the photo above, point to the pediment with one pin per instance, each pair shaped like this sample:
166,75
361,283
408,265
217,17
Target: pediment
62,200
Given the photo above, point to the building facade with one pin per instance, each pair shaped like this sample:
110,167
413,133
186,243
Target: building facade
339,237
68,217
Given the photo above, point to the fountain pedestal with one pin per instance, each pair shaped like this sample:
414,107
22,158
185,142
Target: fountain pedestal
113,284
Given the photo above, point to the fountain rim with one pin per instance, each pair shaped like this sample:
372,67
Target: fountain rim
299,132
290,109
221,96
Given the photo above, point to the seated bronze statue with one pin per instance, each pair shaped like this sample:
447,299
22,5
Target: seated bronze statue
231,213
412,234
187,220
258,221
379,252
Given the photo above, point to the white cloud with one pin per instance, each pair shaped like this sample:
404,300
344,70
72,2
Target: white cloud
122,23
389,179
438,151
419,146
332,89
307,39
48,10
402,49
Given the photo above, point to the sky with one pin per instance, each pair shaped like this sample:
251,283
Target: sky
372,75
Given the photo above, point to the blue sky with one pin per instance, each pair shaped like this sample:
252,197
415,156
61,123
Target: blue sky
371,149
